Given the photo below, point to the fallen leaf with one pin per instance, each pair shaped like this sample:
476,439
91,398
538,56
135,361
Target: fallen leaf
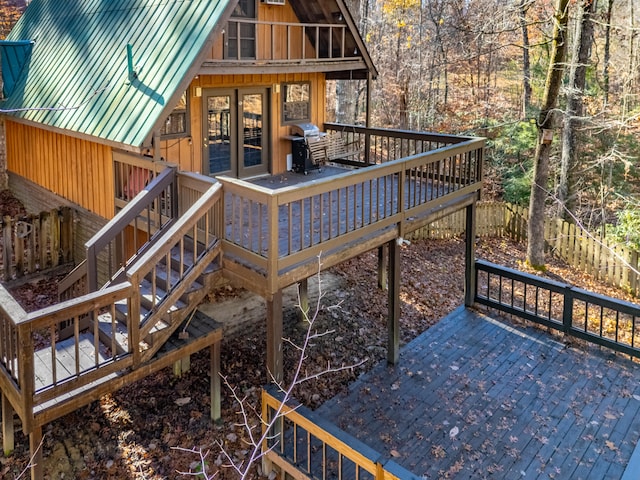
181,402
610,416
610,445
395,453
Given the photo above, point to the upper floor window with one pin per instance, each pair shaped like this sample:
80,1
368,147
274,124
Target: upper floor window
241,36
177,123
296,102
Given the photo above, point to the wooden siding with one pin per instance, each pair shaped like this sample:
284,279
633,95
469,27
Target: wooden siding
268,13
77,170
187,152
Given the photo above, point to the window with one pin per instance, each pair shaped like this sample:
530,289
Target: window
241,36
177,123
296,102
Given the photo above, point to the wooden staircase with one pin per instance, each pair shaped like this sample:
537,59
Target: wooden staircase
124,313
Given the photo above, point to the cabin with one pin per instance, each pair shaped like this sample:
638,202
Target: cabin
192,141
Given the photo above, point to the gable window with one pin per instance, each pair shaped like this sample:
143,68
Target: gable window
177,123
296,102
241,36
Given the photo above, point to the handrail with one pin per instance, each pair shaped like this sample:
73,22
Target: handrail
576,312
292,41
75,283
22,332
201,228
288,445
158,200
275,229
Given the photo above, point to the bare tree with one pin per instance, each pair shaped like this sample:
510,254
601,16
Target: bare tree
580,55
252,421
535,228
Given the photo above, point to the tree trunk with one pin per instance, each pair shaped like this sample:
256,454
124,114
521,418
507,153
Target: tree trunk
607,54
535,229
526,61
580,56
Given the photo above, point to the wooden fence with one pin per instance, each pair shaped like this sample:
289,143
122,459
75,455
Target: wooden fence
609,262
35,243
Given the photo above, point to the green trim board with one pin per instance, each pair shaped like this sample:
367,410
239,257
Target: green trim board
14,56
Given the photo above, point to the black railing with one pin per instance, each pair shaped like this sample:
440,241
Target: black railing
586,315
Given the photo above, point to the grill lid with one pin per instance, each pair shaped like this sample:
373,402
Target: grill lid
305,129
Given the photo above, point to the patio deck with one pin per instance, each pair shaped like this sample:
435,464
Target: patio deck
476,397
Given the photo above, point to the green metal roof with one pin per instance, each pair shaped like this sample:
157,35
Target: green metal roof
77,78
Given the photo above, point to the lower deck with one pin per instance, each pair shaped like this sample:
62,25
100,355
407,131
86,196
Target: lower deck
478,397
75,358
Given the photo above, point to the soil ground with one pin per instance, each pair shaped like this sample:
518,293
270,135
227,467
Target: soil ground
145,430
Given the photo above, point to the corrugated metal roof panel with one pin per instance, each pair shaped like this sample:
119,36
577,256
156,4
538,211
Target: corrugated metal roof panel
77,76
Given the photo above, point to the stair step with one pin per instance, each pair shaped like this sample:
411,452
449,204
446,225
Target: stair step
173,276
148,300
106,326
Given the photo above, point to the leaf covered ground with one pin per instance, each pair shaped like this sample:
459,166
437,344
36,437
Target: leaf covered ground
138,432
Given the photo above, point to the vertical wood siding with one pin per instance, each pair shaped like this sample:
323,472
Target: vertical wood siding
271,13
187,153
77,170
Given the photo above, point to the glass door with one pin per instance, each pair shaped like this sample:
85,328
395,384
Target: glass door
219,152
252,123
236,133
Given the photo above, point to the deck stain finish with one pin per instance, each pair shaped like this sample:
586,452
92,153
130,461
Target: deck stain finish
524,404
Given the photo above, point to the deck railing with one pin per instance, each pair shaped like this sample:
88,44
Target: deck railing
380,145
276,229
305,445
287,41
191,243
589,316
31,353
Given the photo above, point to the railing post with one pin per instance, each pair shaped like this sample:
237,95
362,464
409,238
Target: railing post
7,426
26,373
470,285
567,309
92,270
133,320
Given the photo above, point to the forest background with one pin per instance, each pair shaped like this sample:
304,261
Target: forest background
479,67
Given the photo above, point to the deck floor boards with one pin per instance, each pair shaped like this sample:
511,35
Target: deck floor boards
525,405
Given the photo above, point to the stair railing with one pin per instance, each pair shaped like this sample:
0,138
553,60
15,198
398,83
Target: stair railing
197,234
149,213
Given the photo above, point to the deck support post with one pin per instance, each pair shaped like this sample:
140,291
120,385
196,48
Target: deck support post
35,446
393,322
274,338
470,256
8,442
181,366
382,267
214,358
367,137
303,296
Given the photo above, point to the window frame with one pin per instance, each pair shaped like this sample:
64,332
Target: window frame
187,119
283,103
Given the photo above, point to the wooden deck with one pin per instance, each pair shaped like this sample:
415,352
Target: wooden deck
276,227
476,397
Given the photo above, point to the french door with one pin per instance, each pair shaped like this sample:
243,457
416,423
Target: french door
236,132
